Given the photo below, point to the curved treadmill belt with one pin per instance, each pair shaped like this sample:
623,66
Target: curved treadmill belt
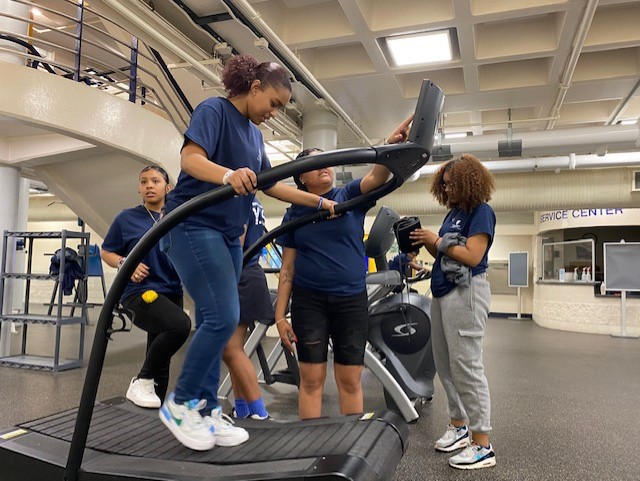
130,443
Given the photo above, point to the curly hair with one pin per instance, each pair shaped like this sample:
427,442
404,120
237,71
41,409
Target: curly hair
471,180
240,72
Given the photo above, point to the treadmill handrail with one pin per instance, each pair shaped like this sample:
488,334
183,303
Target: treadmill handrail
412,155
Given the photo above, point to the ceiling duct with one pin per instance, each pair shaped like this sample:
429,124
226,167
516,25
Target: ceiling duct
586,140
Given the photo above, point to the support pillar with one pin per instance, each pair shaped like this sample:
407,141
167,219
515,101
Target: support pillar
10,185
320,130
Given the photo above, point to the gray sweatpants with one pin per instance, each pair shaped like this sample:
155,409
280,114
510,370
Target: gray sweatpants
458,321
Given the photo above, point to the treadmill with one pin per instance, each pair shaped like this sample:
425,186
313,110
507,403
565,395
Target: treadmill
114,440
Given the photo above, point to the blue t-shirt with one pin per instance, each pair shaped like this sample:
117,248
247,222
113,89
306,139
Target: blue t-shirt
255,230
231,140
400,263
482,220
330,254
125,232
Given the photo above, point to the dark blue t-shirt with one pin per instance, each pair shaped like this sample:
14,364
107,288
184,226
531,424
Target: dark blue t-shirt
231,140
400,263
125,232
482,220
330,254
255,229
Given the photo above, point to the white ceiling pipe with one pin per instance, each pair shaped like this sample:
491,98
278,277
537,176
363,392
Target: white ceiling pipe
606,134
248,11
570,68
569,162
164,41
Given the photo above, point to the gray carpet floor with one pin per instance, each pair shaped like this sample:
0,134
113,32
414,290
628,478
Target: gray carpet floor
565,406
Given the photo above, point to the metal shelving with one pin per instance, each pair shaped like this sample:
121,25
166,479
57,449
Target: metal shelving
32,361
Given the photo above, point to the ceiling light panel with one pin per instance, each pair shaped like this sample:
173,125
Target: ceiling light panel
419,48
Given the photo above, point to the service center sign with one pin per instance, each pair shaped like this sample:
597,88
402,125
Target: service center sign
564,219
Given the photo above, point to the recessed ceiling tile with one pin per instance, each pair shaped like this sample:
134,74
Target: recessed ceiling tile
340,61
633,109
502,115
518,37
450,81
384,14
485,7
517,74
578,112
453,119
623,62
615,24
307,23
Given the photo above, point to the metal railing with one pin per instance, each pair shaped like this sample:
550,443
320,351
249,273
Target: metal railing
79,43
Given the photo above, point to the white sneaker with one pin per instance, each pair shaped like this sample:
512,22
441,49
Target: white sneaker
186,424
142,393
222,426
474,457
453,438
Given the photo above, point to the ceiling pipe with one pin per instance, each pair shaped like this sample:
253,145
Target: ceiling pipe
247,10
166,42
570,68
563,162
487,145
163,40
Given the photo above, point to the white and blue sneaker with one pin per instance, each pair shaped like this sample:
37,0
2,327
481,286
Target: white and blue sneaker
453,438
222,427
186,424
474,457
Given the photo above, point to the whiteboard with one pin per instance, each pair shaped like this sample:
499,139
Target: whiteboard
518,269
622,266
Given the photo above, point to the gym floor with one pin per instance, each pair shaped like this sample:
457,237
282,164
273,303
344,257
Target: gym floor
565,405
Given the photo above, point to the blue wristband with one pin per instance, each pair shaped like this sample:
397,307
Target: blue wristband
320,201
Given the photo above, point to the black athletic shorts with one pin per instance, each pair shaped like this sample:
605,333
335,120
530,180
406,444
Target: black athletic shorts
316,317
255,300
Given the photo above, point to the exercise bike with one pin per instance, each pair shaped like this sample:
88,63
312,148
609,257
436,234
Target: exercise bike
399,322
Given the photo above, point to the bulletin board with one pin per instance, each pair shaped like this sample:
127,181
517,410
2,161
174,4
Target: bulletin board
622,266
518,269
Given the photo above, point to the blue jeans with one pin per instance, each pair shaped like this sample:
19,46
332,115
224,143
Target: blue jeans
209,265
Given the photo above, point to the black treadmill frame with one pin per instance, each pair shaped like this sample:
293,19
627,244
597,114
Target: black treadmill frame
403,160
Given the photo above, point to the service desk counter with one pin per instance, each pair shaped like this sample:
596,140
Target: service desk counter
573,306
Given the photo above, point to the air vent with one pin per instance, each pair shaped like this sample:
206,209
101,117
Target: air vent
636,181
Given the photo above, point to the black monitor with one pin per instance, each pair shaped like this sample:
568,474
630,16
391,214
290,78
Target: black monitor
381,237
425,123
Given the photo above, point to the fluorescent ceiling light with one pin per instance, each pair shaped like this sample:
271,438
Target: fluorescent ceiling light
36,11
419,48
628,122
455,135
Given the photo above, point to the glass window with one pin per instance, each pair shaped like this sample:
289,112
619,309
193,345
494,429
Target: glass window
568,261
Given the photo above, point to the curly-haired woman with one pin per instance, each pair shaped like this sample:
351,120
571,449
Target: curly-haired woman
460,305
222,145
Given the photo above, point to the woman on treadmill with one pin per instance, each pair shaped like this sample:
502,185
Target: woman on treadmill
323,272
222,146
153,294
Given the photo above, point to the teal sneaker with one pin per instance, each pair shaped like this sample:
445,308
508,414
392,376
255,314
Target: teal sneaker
186,424
474,457
453,438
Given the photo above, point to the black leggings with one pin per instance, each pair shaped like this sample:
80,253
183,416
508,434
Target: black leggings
167,327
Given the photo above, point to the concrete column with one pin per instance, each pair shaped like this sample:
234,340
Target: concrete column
13,26
9,204
320,129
